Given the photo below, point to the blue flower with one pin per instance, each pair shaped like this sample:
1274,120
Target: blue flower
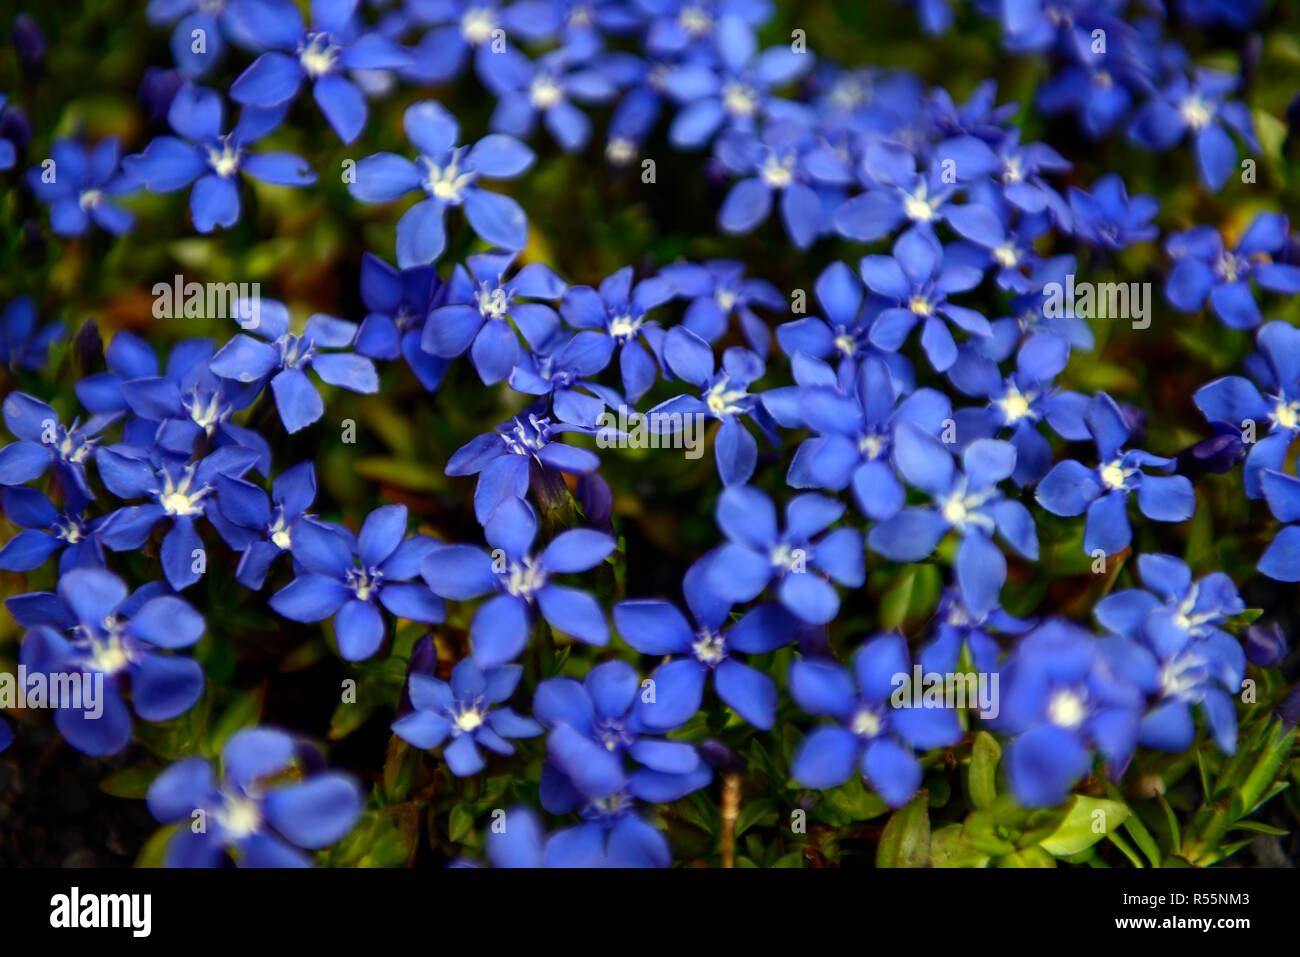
8,146
561,368
398,303
736,93
1072,488
505,459
44,441
1098,85
1234,402
1062,696
967,501
520,581
258,823
479,310
448,174
723,396
957,628
1203,268
273,522
709,649
777,163
6,735
461,26
282,360
717,290
320,55
463,710
175,410
918,279
180,494
46,530
1178,654
522,842
23,343
91,628
855,441
595,724
1106,217
679,26
527,89
619,309
201,154
801,565
1022,400
349,577
1198,107
1281,560
217,20
78,186
871,735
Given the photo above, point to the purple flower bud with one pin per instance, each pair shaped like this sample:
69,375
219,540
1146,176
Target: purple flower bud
157,90
29,41
1219,454
1266,646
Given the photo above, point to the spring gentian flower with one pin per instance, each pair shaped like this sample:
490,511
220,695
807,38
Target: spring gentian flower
92,628
595,723
918,280
524,843
23,343
78,186
217,20
179,495
1198,107
1178,654
801,566
505,459
275,521
1072,488
480,306
1106,217
8,149
201,154
774,164
259,823
46,530
710,648
871,736
283,358
736,93
527,89
398,303
448,174
562,370
463,710
855,440
351,577
1203,268
723,396
1281,561
520,580
957,628
967,501
44,441
717,290
320,54
1235,402
1062,697
619,308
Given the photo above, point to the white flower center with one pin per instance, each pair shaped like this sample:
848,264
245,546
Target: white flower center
545,92
1066,709
477,24
738,99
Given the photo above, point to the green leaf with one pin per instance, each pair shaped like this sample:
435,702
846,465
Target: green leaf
243,712
460,823
129,783
856,801
906,839
982,775
949,848
1079,830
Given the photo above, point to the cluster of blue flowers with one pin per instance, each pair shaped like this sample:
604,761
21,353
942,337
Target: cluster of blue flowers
942,200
